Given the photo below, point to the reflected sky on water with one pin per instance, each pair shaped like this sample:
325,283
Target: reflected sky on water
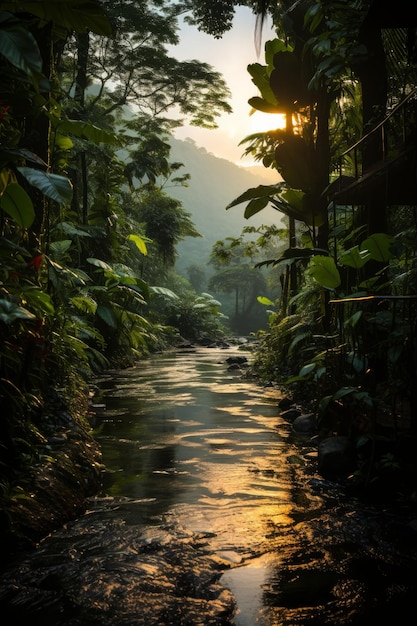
201,442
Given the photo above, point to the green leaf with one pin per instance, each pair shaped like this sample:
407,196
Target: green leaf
139,243
163,291
265,300
22,153
53,186
107,315
38,300
379,246
201,305
19,46
63,142
297,253
255,206
260,79
272,47
71,230
344,391
294,197
353,319
10,312
58,249
85,304
354,257
261,191
306,370
323,269
263,105
85,130
100,263
16,203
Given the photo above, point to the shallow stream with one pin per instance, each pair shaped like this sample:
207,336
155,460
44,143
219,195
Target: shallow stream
211,513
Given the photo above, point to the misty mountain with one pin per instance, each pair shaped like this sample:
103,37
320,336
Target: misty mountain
214,183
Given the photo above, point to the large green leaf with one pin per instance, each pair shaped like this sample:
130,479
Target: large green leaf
53,186
86,130
99,263
260,104
323,269
163,291
84,303
287,80
38,300
302,206
59,249
260,79
16,203
10,312
272,47
22,153
18,45
71,230
107,315
354,257
140,243
379,246
255,206
262,191
294,197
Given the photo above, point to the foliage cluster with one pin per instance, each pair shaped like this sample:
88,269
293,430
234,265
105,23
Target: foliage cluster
87,232
343,332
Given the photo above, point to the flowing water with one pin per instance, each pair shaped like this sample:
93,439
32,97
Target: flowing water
211,513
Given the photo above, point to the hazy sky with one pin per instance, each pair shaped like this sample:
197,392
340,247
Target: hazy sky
230,56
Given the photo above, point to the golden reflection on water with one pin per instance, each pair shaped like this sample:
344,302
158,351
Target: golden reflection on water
214,458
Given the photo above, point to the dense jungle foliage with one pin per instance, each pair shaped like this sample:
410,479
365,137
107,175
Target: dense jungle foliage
89,232
343,331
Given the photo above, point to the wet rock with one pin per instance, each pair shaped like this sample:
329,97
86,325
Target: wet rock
236,360
233,366
306,587
291,414
305,424
119,576
285,403
336,456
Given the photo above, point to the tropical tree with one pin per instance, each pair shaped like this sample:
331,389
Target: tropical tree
71,290
166,223
193,315
196,276
129,80
238,262
344,72
40,341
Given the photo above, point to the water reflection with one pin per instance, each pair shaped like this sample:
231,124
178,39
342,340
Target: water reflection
202,442
211,514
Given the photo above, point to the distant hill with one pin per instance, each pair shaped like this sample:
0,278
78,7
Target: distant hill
213,185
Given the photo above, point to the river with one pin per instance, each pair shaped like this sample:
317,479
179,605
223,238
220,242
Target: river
211,513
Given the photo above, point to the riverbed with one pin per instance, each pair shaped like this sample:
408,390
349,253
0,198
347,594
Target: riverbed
212,512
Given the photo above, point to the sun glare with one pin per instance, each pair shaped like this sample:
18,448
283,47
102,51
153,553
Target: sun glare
262,122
